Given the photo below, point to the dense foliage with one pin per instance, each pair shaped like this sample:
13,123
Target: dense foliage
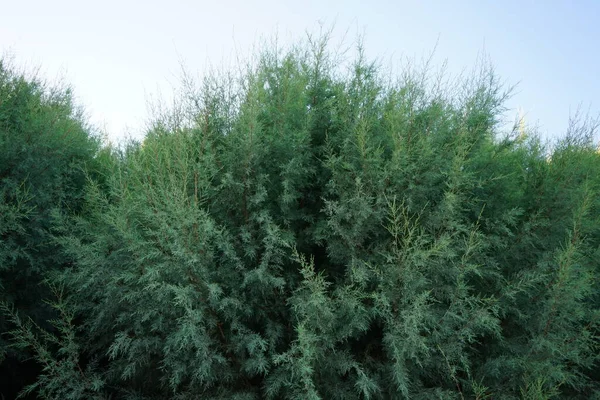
302,230
45,146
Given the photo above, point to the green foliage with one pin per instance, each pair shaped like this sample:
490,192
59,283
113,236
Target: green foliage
307,229
44,147
61,376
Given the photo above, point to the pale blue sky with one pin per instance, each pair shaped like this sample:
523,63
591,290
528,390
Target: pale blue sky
118,53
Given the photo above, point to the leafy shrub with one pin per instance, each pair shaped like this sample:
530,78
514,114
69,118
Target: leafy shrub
45,146
306,231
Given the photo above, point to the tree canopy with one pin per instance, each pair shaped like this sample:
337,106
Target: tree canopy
306,227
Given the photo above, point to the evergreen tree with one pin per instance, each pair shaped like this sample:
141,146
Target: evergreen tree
44,147
307,229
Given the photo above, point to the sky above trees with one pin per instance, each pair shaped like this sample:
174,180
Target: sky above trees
121,55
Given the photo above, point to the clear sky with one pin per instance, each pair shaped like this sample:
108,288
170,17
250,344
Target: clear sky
119,53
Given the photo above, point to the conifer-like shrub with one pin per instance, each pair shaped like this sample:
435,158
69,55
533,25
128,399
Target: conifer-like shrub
45,148
310,228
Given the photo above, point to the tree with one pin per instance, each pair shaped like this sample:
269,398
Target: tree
309,229
45,146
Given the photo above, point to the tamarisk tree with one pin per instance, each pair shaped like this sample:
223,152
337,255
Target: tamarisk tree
312,229
45,148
